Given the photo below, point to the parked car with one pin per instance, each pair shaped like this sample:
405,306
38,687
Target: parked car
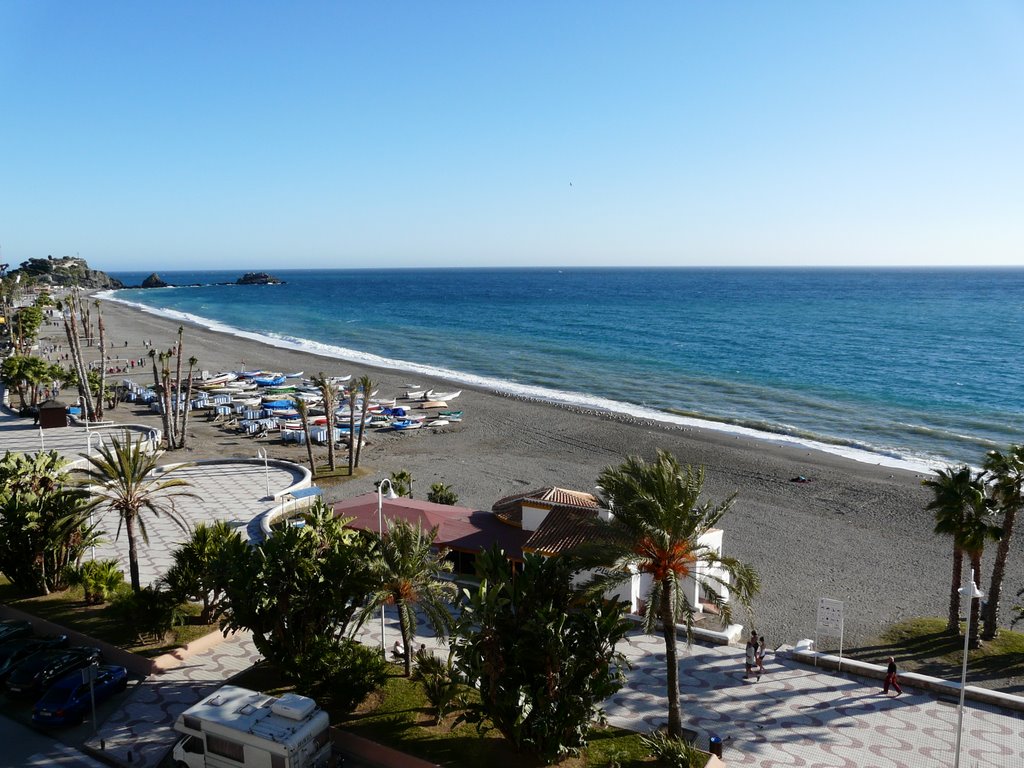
11,629
68,699
13,652
38,671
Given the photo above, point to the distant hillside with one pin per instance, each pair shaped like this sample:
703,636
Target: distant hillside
66,271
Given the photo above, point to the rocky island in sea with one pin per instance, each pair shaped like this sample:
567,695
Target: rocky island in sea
258,278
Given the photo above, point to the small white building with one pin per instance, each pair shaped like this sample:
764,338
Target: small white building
556,521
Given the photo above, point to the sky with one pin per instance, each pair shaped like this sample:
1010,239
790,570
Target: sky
263,135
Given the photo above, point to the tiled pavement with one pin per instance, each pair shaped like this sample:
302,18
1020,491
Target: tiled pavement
141,732
233,491
795,715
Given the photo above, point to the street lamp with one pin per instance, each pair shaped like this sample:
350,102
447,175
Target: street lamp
262,454
380,529
973,593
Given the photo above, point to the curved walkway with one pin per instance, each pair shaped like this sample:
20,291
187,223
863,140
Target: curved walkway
234,491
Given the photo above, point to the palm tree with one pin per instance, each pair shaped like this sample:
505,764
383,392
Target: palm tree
352,391
303,410
957,493
122,477
401,482
407,571
367,386
327,390
656,527
1006,472
192,361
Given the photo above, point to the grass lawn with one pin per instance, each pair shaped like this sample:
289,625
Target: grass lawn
68,609
922,645
399,716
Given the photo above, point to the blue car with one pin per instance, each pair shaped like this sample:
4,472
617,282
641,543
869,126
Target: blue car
67,701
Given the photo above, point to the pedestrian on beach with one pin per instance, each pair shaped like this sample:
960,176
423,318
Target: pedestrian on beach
751,655
760,657
891,678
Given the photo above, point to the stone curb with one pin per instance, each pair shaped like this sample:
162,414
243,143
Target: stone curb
944,688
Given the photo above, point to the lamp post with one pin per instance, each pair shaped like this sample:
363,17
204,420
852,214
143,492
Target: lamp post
973,593
262,453
380,530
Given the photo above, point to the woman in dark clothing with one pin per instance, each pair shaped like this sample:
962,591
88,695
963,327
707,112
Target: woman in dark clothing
891,679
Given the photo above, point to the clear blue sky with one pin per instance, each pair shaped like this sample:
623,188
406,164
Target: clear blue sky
273,135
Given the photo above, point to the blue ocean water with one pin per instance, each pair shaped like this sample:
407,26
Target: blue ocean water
885,365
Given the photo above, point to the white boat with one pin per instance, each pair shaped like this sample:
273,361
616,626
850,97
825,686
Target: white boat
414,394
220,378
339,379
438,423
294,375
434,404
432,395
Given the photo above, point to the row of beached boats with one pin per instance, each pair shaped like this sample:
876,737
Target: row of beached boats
261,402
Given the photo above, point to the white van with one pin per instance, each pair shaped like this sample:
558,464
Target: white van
237,727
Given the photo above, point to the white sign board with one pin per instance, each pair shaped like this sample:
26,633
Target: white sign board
830,617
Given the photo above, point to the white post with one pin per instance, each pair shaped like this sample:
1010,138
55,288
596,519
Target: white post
380,531
972,593
262,453
85,413
42,444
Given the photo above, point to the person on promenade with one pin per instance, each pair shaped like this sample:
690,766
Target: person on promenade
760,657
891,678
751,655
398,650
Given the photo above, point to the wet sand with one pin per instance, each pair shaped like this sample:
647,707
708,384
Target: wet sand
856,532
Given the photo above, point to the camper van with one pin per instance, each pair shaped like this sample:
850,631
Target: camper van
237,727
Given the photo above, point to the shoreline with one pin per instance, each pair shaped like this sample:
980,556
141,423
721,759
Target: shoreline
573,401
856,532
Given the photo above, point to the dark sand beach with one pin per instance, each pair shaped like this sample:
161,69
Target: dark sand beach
855,532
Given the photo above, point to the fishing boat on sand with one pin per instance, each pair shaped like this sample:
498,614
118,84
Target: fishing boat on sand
432,395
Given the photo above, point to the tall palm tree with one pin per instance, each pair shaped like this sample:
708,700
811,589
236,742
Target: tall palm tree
352,392
122,477
656,526
367,386
192,361
1006,474
302,409
978,528
958,492
327,390
407,570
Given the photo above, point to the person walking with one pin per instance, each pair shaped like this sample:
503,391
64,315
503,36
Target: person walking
750,659
760,657
891,678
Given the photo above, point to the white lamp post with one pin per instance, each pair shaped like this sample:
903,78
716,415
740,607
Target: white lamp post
262,453
972,593
380,529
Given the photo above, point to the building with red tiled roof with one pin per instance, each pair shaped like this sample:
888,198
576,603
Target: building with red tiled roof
557,519
464,531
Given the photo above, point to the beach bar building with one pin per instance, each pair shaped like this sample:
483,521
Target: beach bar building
557,519
465,532
546,521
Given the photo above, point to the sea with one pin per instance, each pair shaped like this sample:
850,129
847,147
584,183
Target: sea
912,368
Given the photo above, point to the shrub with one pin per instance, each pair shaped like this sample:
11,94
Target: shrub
674,752
150,611
341,672
442,685
99,579
442,494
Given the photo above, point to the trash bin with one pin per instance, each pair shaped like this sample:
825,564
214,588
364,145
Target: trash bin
715,746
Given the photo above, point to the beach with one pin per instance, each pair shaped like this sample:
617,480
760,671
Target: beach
854,531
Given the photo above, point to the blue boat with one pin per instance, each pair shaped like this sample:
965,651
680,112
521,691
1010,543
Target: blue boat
267,381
